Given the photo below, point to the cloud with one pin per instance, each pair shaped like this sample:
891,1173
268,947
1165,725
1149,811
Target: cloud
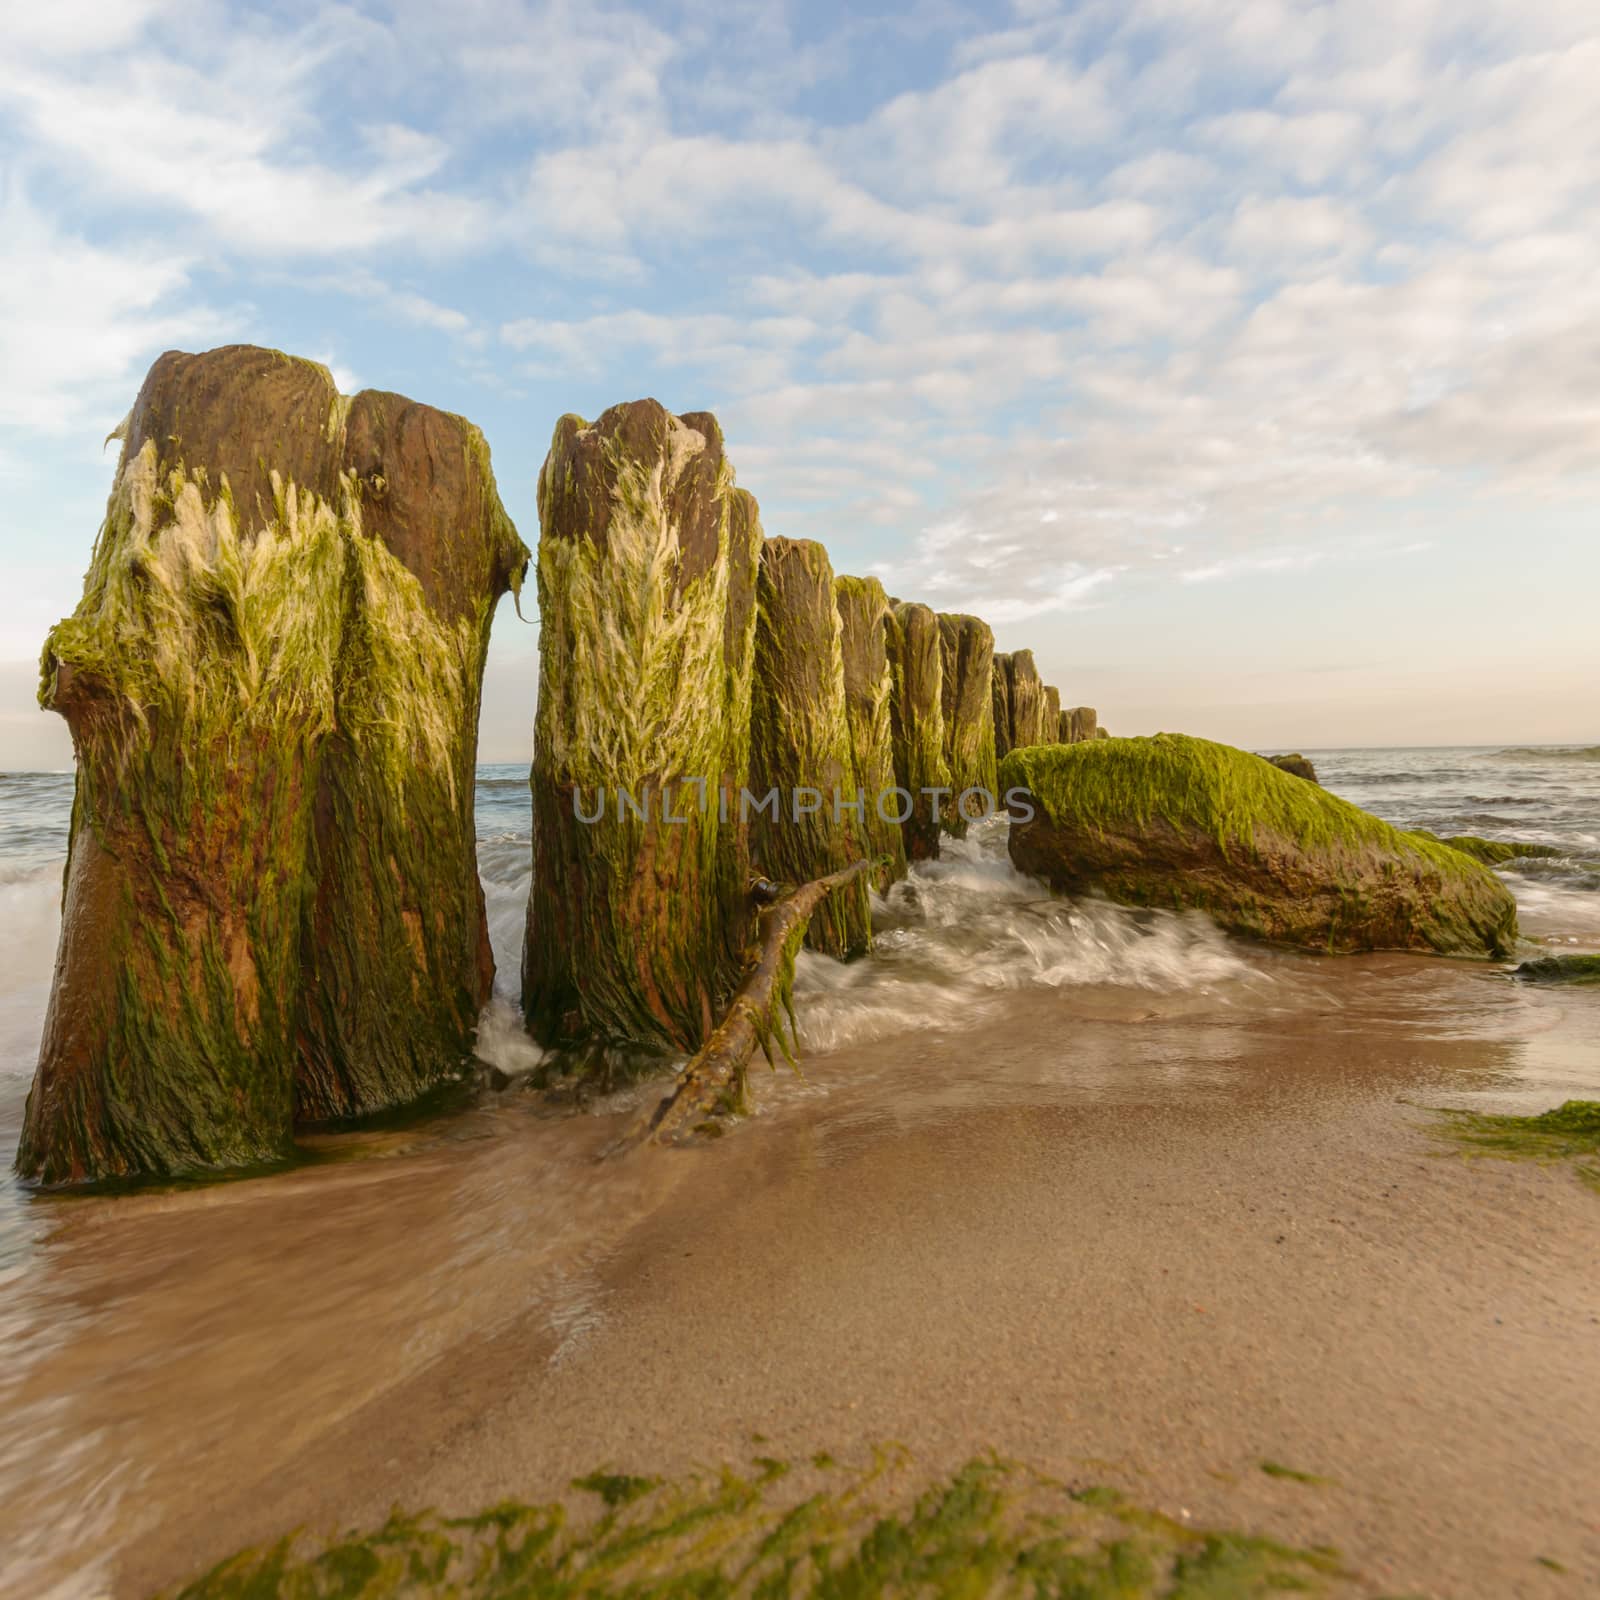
78,321
1128,288
219,137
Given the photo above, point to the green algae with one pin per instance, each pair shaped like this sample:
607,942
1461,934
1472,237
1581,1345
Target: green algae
1150,799
198,678
1276,1469
1560,969
1568,1132
616,1488
991,1528
1213,788
1492,852
245,655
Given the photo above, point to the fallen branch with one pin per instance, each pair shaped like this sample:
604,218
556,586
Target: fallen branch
714,1078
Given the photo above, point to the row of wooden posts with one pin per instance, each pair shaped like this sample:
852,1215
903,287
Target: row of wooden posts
272,914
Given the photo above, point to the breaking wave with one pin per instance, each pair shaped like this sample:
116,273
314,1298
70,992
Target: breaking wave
954,937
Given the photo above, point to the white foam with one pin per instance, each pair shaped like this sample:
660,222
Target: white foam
957,934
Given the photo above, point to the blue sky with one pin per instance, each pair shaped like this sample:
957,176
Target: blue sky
1240,356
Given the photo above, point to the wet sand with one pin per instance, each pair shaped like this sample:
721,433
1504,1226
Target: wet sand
1161,1240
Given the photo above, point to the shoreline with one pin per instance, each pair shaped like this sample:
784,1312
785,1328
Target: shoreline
1154,1240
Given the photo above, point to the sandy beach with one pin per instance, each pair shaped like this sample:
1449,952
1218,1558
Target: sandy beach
1162,1241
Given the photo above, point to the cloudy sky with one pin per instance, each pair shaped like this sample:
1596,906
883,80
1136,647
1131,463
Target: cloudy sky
1240,356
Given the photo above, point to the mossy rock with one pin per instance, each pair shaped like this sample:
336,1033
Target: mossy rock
1560,969
916,721
1295,764
1179,822
1496,852
966,647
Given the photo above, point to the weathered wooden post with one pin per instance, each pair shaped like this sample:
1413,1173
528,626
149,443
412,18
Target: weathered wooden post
810,823
967,648
646,573
1027,700
865,623
253,668
916,720
396,953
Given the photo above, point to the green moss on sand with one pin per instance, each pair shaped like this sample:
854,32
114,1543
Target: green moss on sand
991,1529
1570,1132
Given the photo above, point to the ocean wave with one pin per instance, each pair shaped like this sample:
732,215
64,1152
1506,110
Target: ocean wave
956,935
1585,753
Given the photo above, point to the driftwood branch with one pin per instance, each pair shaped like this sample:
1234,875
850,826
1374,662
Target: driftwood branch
715,1076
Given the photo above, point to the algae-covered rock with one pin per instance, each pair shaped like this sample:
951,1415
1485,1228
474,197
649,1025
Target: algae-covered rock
1295,764
1560,969
1050,721
966,649
916,721
247,633
865,623
1102,733
1184,823
1496,852
800,755
637,905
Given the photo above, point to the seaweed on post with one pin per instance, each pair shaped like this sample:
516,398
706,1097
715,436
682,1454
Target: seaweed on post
916,724
641,675
967,649
397,956
197,676
865,622
270,908
800,754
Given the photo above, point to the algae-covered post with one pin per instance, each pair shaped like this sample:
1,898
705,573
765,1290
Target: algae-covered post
967,648
397,945
809,821
252,668
644,663
1050,718
197,678
864,626
1083,721
916,720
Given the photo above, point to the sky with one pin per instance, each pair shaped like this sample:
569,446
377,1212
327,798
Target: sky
1241,357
